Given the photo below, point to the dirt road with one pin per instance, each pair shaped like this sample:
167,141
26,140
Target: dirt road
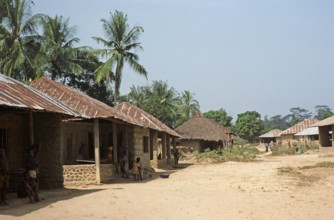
232,190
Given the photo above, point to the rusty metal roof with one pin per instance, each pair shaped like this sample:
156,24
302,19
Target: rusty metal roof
325,122
86,105
272,134
300,126
200,127
144,119
15,94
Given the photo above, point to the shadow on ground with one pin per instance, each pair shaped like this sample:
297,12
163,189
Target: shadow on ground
21,206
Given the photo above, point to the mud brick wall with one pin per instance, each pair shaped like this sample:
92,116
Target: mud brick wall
138,135
48,134
86,174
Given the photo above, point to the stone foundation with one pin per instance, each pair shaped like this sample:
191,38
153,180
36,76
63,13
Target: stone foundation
86,174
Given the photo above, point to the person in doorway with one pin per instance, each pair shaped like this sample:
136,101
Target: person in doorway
82,152
4,176
176,157
267,146
136,170
123,160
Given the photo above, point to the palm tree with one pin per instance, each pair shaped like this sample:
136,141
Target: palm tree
121,44
188,107
163,102
19,46
58,40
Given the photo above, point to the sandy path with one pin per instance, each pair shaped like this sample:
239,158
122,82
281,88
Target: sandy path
229,190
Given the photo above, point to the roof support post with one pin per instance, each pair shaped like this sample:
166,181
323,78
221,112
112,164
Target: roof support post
31,129
114,138
97,150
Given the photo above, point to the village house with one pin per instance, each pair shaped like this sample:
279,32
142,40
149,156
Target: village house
326,130
103,128
288,136
154,136
200,133
28,117
270,136
308,137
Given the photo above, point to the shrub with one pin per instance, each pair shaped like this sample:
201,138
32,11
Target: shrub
230,154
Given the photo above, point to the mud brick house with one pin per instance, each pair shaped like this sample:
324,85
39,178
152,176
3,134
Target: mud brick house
326,130
29,117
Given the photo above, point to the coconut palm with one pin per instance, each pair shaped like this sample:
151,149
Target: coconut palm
120,45
188,107
59,39
19,46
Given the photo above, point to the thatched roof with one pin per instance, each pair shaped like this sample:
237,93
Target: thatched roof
299,127
201,128
144,119
272,134
325,122
14,94
86,105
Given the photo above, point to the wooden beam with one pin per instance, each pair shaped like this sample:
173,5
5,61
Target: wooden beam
97,150
31,129
114,138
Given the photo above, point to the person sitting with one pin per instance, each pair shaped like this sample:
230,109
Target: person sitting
28,187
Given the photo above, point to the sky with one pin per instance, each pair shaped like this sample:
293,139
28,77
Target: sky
239,55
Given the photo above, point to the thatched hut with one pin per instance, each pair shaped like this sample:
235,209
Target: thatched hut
326,131
270,136
29,117
151,139
288,135
200,133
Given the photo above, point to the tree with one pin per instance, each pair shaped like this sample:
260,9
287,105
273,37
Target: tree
58,40
20,49
322,112
120,45
158,99
297,115
187,107
276,122
220,116
249,125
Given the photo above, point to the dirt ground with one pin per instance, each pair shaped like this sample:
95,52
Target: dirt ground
231,190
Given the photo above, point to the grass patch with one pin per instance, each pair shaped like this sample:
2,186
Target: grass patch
304,179
321,165
233,154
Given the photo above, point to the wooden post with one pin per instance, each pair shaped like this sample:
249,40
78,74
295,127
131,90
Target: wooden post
126,147
97,150
114,144
163,143
31,129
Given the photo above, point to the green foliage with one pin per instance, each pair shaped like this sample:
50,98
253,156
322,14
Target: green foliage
231,154
322,112
249,125
220,116
120,47
187,107
20,48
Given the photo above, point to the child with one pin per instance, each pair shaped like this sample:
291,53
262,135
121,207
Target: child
136,170
28,187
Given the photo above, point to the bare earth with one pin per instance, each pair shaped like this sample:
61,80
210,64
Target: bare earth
231,190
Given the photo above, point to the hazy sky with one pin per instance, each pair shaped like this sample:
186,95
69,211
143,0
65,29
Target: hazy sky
239,55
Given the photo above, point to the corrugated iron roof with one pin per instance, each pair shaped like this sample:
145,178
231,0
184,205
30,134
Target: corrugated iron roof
144,119
325,122
86,105
308,131
299,127
18,95
272,134
201,128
